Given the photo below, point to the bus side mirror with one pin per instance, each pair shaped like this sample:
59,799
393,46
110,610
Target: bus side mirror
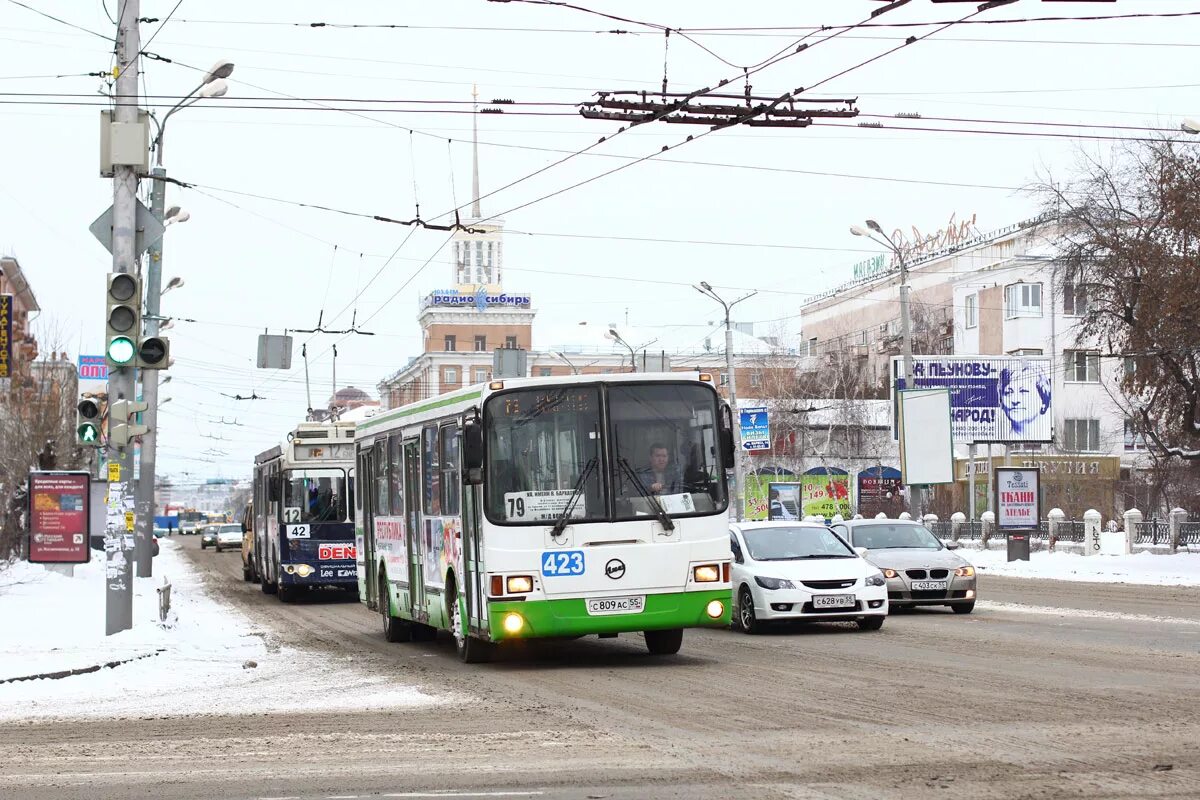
727,452
472,446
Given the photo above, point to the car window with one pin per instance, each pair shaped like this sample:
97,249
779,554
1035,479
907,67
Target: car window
891,536
794,543
735,548
231,528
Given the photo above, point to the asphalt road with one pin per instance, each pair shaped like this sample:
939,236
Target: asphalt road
1050,689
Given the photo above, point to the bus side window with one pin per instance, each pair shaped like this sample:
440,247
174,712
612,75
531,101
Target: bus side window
449,442
379,473
429,471
395,471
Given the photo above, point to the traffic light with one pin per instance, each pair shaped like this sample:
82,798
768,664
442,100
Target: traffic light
154,352
124,319
87,423
121,427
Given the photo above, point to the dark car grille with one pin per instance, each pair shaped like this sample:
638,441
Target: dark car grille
840,584
939,573
916,574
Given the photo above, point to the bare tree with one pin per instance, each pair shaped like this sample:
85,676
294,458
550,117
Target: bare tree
1128,241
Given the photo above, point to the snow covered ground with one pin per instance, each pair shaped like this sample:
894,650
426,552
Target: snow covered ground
1181,569
51,623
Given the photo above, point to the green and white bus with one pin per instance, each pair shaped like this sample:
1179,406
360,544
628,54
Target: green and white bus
548,507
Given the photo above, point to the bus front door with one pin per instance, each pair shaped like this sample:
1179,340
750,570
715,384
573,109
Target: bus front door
412,529
473,581
365,490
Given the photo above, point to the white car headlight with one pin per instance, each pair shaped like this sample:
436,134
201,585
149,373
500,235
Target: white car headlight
773,583
877,580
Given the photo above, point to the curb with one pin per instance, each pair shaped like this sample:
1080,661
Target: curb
67,673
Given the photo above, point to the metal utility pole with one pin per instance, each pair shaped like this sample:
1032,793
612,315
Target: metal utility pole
914,492
118,553
738,488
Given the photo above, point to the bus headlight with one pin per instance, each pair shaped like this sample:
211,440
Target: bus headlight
708,573
304,570
520,584
714,609
513,622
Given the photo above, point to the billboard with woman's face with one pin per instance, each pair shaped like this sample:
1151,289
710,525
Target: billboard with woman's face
992,398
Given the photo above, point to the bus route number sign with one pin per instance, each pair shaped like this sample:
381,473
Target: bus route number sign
562,562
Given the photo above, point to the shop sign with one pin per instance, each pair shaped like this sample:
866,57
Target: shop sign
6,350
481,299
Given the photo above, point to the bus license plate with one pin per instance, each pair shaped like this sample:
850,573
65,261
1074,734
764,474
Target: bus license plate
598,607
833,601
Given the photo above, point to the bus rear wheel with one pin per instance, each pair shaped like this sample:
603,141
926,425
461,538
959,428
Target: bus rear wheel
664,643
394,630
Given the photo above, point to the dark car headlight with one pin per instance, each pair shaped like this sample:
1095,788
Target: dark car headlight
774,583
877,580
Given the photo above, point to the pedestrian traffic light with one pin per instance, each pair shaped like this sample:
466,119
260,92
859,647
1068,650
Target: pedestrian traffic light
123,319
121,428
87,422
154,352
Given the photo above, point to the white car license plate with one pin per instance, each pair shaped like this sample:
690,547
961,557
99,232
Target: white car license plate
833,601
930,586
600,606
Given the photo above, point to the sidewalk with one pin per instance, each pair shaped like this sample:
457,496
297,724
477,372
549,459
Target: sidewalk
1180,569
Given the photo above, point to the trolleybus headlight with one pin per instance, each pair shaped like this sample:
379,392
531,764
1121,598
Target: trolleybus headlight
715,609
519,584
304,570
708,573
513,622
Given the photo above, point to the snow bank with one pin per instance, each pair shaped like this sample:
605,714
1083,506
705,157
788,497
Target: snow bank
51,623
1181,569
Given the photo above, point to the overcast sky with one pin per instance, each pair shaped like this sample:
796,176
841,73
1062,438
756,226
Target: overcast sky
780,201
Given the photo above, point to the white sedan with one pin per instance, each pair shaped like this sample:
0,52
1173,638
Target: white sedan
801,571
229,536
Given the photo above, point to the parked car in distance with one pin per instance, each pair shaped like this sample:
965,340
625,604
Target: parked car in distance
208,535
801,571
228,536
249,573
920,569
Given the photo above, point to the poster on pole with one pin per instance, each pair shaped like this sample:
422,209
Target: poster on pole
992,398
1018,498
926,446
755,427
59,519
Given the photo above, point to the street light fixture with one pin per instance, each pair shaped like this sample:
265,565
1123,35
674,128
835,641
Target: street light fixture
705,289
174,283
560,355
616,337
1190,125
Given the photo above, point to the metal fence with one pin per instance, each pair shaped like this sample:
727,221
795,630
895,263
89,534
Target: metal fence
1189,533
1152,531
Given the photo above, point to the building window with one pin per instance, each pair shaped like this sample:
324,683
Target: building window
1081,366
449,375
1082,435
479,277
479,374
1133,438
755,379
543,372
971,310
451,343
480,344
812,347
510,342
724,378
1074,299
1022,300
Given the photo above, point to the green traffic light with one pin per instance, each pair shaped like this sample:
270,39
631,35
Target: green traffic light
121,350
88,433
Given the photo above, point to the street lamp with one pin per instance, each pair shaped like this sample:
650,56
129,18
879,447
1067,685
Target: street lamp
705,289
616,337
174,283
905,320
558,354
1190,125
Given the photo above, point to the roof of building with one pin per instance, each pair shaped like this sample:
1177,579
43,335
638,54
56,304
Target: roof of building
11,269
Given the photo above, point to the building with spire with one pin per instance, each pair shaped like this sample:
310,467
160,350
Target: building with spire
474,315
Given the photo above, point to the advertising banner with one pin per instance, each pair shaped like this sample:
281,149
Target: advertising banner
93,368
59,517
879,491
6,334
825,492
1018,496
992,398
755,427
784,501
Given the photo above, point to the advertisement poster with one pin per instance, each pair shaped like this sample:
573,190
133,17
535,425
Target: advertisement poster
992,398
6,333
1017,499
784,501
755,427
59,517
825,492
879,492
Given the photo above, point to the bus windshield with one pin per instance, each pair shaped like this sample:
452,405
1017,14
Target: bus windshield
542,445
545,456
665,449
315,495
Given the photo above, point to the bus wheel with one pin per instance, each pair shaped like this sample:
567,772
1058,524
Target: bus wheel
470,649
394,630
664,643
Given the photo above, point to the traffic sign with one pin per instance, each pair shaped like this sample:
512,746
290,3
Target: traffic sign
755,427
149,229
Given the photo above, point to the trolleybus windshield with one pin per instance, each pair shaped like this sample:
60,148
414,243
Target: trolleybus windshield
315,495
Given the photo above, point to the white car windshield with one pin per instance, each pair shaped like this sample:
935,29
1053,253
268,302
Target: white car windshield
895,536
231,529
793,544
